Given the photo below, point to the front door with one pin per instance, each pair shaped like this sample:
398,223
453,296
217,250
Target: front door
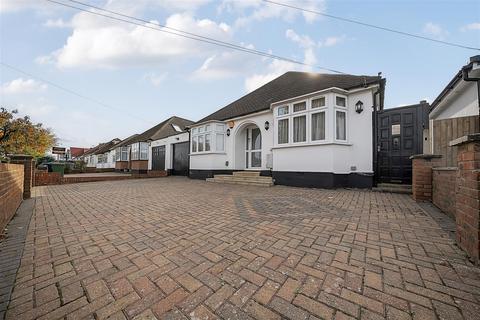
253,150
180,159
158,158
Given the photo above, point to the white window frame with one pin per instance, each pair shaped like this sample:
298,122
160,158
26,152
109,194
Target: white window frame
335,101
344,110
323,110
136,151
215,131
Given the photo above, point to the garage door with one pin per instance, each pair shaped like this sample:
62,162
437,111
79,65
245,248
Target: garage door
180,159
158,158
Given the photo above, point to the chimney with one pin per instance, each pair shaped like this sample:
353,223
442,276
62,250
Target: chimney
423,102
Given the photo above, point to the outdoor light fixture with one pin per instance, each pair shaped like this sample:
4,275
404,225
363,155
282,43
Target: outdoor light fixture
359,106
267,125
228,132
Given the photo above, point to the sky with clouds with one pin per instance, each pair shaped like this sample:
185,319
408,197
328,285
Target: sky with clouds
127,78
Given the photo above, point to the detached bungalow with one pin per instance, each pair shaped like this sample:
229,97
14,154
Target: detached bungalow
106,155
90,157
169,147
455,112
137,147
303,129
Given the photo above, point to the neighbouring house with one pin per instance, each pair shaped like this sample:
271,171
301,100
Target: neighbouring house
169,148
77,153
139,145
106,155
455,112
122,154
303,129
91,158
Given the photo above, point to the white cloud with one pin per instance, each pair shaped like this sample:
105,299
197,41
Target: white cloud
303,40
258,10
332,41
21,86
17,5
273,70
56,23
98,42
156,79
434,30
471,26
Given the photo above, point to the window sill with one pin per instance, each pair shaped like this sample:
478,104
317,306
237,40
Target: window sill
291,145
206,152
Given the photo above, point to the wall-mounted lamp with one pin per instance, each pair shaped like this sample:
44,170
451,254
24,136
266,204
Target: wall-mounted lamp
228,132
267,125
359,106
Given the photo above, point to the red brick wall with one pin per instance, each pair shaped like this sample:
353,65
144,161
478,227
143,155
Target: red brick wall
45,178
468,199
162,173
139,165
11,191
443,189
422,177
121,165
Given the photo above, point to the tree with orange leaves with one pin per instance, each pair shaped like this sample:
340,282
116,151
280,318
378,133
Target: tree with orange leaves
19,135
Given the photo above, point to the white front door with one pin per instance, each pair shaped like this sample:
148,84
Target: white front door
253,152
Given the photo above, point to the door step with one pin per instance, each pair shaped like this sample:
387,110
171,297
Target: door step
393,188
251,178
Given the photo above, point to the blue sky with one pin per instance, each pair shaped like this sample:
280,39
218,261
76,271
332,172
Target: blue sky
147,76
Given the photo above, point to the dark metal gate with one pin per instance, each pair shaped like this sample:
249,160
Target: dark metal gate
399,136
180,159
158,158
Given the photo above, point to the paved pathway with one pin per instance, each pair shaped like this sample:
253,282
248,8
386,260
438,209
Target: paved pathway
174,248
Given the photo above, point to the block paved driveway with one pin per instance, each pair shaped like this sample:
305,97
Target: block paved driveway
174,248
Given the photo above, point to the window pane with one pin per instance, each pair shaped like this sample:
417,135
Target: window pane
318,126
256,159
220,127
341,131
143,151
207,128
319,102
194,130
220,142
283,131
256,139
207,142
135,151
300,129
282,110
299,106
340,101
200,129
194,144
200,143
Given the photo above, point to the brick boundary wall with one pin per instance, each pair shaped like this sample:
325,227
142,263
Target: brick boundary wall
422,165
11,191
28,172
468,195
444,189
43,178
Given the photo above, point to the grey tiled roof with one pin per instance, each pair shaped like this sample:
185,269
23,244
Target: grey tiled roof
288,85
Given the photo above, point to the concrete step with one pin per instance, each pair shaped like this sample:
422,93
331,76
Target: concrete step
393,188
243,178
247,173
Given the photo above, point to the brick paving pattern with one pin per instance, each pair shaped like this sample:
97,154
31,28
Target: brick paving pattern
174,248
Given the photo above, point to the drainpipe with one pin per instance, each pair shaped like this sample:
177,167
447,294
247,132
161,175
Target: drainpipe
375,134
474,65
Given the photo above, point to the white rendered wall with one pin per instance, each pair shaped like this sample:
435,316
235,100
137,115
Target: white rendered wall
167,142
331,156
110,161
461,102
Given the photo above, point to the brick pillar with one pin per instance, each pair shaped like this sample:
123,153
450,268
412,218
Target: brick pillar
28,168
468,195
422,165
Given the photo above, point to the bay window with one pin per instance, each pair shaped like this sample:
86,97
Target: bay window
319,119
208,138
139,151
121,154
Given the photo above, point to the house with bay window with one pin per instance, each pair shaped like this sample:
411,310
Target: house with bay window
300,129
170,147
122,154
